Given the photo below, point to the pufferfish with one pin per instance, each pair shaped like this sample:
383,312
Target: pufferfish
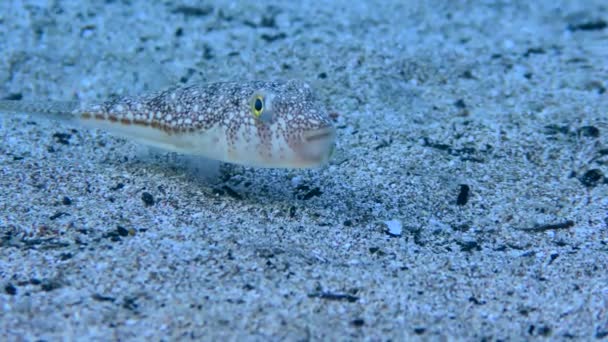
258,123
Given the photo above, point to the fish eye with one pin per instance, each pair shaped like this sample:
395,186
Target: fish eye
257,105
262,106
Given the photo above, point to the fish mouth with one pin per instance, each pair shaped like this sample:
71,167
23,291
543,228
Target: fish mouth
317,146
322,134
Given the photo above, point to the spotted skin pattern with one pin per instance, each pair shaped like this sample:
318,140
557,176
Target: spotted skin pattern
217,120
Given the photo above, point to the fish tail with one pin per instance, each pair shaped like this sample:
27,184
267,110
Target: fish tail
58,110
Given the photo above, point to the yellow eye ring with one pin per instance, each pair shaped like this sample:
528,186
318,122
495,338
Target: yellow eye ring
257,106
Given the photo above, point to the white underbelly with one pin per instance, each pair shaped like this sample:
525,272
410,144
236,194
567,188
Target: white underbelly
210,143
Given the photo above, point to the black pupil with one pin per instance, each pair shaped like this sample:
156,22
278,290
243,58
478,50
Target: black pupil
258,105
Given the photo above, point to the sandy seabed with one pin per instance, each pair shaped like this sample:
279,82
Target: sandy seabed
468,197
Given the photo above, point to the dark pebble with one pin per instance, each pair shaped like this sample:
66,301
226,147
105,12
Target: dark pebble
207,52
534,51
359,322
442,147
589,26
65,256
463,196
555,129
10,289
544,330
476,301
58,215
312,193
62,138
101,298
112,235
384,143
601,334
272,37
553,257
551,226
467,74
268,21
469,246
419,331
334,296
592,178
49,285
122,231
589,131
66,200
147,198
13,97
193,11
460,104
130,303
463,227
117,187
